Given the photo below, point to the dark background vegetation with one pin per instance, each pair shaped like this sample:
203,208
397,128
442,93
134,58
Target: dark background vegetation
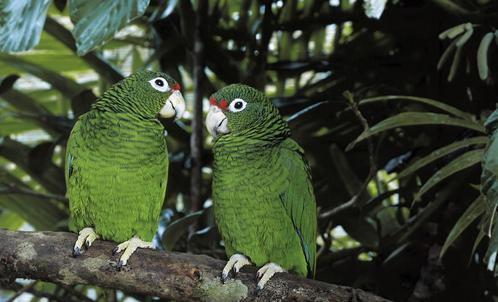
377,231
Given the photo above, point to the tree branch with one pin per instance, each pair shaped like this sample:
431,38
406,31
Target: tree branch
196,137
178,276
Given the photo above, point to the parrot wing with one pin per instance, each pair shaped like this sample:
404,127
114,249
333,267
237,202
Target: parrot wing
299,201
75,206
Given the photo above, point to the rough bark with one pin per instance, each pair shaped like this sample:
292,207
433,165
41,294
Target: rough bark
178,276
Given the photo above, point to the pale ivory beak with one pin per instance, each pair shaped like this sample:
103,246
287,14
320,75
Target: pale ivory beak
216,122
174,107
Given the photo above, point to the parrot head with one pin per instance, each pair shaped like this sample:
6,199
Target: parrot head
146,93
240,109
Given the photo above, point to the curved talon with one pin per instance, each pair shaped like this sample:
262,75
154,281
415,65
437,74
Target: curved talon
76,252
128,248
120,265
234,264
266,272
85,237
224,278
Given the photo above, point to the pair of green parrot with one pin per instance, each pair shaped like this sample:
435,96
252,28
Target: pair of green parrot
117,167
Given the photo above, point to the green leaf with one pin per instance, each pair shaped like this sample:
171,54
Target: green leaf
165,9
351,182
66,86
492,251
21,22
97,62
439,105
41,213
417,119
177,229
458,164
477,241
10,220
416,222
441,152
97,21
475,210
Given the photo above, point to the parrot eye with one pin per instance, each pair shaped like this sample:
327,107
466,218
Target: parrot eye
159,84
237,105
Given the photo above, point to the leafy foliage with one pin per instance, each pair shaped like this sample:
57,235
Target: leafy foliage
21,23
97,21
428,134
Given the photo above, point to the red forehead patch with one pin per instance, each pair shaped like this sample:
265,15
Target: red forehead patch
175,87
223,104
212,101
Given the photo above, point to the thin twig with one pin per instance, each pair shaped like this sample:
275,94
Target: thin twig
196,138
12,189
371,157
327,238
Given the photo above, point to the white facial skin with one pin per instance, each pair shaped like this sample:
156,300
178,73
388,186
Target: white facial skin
216,121
175,105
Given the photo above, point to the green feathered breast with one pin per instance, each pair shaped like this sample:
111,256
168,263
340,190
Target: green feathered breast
263,198
117,163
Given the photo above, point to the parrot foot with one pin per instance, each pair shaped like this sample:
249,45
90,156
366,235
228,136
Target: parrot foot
129,247
86,236
235,263
266,272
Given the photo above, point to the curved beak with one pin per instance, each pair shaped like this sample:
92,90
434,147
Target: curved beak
216,122
174,107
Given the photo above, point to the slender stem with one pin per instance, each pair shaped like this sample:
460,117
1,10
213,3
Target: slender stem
196,138
12,189
371,157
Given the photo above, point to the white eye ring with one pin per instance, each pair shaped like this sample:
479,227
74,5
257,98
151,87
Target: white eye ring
237,105
160,84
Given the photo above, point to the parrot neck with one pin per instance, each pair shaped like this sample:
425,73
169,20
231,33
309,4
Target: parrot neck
269,134
112,101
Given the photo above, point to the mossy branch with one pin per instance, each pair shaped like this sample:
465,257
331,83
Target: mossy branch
177,276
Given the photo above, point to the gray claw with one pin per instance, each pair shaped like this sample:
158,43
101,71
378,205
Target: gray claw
224,278
115,251
76,252
120,265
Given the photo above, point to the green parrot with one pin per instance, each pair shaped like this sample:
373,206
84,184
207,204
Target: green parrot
117,163
263,199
